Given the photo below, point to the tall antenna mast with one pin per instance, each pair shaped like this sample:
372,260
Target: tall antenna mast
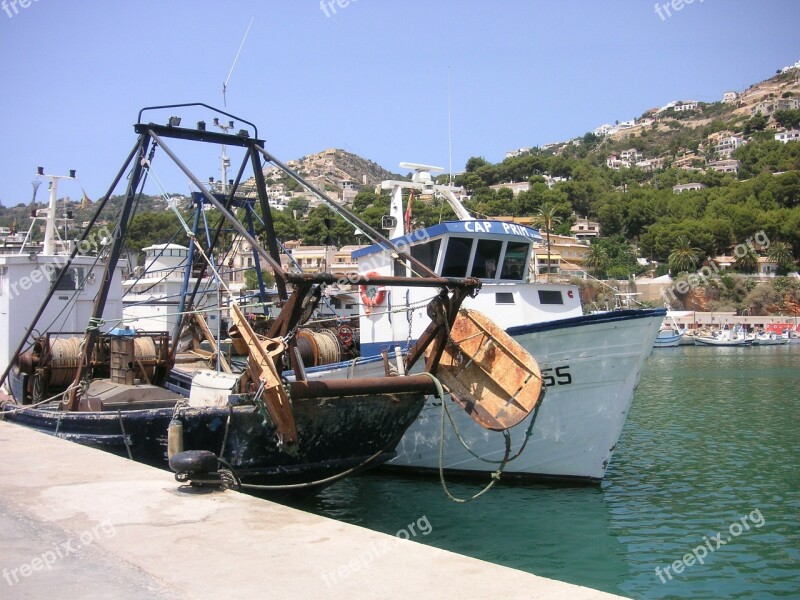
233,66
226,161
449,131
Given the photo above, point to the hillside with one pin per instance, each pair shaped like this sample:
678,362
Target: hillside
737,174
336,165
625,176
688,131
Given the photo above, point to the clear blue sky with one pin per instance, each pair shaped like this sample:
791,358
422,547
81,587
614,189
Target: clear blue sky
371,78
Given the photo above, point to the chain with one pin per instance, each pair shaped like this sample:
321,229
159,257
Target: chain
410,319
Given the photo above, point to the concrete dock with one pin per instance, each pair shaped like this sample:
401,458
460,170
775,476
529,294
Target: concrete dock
80,523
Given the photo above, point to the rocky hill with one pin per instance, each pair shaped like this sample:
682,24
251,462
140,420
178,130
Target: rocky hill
334,166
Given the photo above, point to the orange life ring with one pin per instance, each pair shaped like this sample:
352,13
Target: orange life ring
372,295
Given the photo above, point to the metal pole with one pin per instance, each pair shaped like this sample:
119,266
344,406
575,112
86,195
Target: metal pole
262,292
269,228
92,331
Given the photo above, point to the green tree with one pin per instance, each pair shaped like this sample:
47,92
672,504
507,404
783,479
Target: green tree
315,231
756,123
683,257
297,206
596,259
251,278
547,218
286,226
790,118
781,253
148,228
747,262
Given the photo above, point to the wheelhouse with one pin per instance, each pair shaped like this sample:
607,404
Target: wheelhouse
493,251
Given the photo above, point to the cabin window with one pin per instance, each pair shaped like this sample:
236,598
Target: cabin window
487,258
67,282
427,253
504,298
514,264
456,258
550,297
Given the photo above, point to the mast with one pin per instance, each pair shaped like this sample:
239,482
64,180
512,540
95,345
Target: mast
50,232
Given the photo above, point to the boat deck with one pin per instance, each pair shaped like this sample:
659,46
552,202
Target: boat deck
77,522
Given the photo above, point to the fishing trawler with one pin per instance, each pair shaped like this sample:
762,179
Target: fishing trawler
590,364
104,386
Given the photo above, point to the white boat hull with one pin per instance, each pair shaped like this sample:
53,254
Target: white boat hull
591,366
707,341
770,342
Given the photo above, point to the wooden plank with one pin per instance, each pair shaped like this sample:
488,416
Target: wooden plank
200,320
489,374
261,368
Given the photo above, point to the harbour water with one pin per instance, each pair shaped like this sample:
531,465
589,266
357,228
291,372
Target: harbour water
710,456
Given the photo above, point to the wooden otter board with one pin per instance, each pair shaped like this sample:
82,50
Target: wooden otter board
495,380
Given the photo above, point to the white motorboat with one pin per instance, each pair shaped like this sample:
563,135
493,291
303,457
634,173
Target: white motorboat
724,337
670,335
769,339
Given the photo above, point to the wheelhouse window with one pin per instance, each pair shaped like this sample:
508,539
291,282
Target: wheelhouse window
487,259
456,258
515,261
427,253
399,269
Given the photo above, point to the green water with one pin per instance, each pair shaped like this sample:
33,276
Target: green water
713,437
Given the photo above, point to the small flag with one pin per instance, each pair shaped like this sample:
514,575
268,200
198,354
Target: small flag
85,199
407,216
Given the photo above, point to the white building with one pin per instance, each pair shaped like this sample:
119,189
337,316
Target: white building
603,130
724,166
726,145
685,106
516,188
687,187
517,152
631,155
729,97
615,162
790,67
767,107
650,164
792,135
